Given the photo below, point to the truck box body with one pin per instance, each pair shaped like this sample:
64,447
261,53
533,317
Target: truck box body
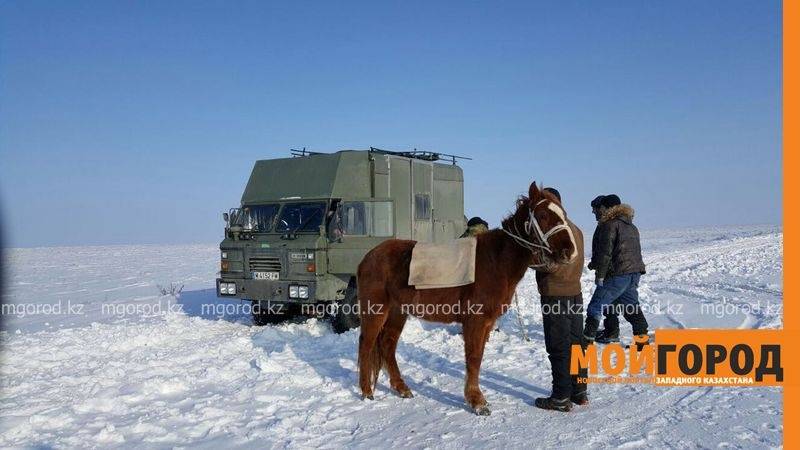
308,221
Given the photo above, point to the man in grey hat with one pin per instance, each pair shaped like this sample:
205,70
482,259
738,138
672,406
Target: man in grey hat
610,331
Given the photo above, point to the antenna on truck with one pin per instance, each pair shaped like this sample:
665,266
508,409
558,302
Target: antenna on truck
423,155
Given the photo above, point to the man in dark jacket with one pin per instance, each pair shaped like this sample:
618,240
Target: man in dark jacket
562,320
617,262
475,226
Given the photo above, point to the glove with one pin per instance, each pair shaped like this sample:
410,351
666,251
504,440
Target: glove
598,282
550,267
591,265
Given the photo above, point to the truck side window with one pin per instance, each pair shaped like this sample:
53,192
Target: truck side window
353,220
422,206
367,219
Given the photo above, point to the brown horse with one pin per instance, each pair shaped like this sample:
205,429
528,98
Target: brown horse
533,235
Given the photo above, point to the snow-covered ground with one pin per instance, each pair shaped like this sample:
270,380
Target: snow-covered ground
94,355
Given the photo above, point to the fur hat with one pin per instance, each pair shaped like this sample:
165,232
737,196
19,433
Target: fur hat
610,200
554,191
598,201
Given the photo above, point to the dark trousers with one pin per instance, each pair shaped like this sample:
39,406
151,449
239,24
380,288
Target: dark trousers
562,318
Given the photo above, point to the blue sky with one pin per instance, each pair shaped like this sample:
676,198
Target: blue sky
139,122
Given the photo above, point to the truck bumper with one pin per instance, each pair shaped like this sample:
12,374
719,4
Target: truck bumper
267,290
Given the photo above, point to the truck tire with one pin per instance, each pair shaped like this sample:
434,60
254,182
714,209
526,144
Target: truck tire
347,317
263,316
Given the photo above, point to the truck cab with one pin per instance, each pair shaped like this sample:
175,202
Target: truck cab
305,222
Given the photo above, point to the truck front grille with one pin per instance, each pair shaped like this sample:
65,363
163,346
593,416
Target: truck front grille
265,264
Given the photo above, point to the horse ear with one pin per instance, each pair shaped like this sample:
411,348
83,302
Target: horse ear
533,192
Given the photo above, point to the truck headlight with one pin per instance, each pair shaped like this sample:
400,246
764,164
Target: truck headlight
302,291
224,255
294,291
227,288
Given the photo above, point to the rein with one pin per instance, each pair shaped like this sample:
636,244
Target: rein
542,245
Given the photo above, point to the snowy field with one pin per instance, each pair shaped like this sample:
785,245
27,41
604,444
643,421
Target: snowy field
94,355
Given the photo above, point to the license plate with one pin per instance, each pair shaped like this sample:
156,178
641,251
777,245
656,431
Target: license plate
266,275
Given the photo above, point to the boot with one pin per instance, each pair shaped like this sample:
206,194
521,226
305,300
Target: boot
590,329
606,336
580,399
611,318
554,404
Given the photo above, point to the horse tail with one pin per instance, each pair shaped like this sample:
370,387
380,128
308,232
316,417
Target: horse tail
377,360
373,360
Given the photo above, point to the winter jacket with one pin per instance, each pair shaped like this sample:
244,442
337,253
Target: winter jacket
615,245
563,280
475,230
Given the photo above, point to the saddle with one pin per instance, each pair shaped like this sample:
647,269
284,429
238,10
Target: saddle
443,265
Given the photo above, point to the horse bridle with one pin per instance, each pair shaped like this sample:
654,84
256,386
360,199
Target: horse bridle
542,245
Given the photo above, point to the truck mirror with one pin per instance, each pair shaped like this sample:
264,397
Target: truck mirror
225,217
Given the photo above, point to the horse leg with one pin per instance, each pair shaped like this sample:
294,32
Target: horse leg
370,358
388,340
475,336
489,332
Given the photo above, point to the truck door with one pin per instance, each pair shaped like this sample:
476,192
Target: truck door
400,191
448,206
422,200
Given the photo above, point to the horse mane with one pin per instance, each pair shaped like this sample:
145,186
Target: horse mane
522,202
510,218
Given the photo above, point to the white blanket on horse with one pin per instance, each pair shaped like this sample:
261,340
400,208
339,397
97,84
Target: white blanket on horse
443,265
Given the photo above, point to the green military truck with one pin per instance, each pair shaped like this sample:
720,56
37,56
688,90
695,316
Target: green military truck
306,221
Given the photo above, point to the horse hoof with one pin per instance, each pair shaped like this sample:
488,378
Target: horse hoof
483,410
406,394
367,397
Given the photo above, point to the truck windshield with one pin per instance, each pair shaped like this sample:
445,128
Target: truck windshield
301,217
257,218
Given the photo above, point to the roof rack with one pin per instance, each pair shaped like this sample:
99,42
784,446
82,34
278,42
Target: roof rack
415,154
423,155
303,152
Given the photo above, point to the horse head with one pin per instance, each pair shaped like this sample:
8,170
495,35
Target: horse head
540,224
547,224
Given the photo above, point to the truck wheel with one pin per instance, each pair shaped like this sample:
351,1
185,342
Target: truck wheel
346,317
264,315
